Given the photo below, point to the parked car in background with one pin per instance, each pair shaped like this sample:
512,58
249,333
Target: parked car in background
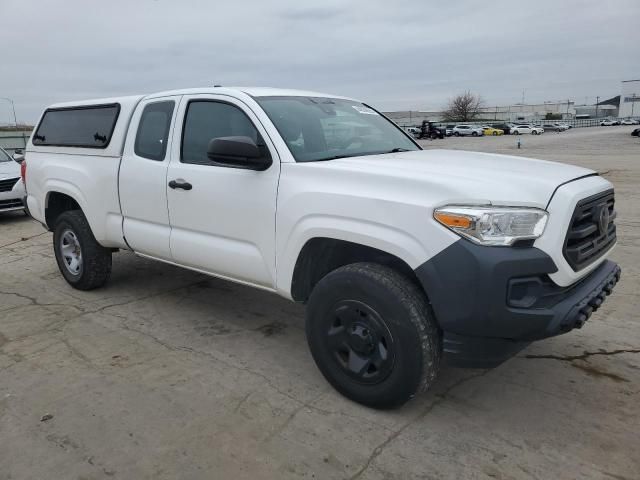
449,130
616,121
564,126
526,128
467,131
429,130
606,123
505,127
554,127
492,131
629,121
11,186
413,131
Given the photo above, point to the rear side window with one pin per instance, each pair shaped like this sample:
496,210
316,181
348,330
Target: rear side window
153,130
88,127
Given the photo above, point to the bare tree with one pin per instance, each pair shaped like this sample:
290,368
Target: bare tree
463,108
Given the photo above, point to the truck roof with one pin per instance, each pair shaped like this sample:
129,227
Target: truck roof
130,101
252,91
127,105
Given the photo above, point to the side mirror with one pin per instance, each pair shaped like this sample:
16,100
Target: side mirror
238,152
18,156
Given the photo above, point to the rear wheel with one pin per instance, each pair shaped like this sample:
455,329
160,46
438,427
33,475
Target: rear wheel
83,262
373,335
474,134
495,134
534,132
516,132
456,134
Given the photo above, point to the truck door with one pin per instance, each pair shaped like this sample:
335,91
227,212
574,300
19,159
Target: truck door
222,218
143,177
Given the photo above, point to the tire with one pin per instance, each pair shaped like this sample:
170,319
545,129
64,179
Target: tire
495,134
534,132
456,134
382,311
515,132
73,240
474,134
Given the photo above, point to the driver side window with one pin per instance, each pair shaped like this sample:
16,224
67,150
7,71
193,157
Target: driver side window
206,120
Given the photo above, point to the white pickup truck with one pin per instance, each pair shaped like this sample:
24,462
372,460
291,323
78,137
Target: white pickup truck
402,256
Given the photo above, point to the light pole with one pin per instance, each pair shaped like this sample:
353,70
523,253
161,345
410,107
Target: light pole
13,109
15,120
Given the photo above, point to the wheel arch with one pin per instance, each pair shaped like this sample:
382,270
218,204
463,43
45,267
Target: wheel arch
321,255
57,201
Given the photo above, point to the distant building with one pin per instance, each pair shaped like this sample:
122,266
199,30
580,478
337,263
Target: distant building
537,112
630,99
603,109
531,112
413,118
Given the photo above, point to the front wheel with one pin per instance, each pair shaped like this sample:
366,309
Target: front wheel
83,262
495,134
516,132
475,134
373,335
456,134
534,132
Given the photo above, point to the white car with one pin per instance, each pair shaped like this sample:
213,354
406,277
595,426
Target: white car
606,123
629,121
467,131
562,126
11,187
526,128
404,257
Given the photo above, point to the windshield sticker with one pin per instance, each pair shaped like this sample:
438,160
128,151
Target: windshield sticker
365,110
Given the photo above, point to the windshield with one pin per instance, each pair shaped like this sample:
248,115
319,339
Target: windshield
4,156
318,129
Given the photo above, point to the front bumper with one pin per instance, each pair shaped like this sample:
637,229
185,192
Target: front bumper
13,199
491,302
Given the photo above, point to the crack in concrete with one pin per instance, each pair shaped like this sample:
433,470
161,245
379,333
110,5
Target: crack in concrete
581,362
292,415
35,301
382,446
584,355
23,239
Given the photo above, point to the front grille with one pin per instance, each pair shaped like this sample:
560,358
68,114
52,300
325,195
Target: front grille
592,230
7,184
13,203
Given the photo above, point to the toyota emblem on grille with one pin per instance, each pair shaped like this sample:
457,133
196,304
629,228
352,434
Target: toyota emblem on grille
603,219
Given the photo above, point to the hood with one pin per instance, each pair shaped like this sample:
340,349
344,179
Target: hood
9,170
471,177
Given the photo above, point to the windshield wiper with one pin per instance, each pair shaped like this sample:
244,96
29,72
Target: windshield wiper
398,149
362,154
336,157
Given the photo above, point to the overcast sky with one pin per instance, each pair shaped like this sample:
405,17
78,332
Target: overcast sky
394,54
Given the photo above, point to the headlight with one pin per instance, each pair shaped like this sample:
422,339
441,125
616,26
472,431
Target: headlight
493,225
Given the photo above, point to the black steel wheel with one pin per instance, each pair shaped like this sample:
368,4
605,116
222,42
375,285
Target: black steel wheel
360,342
373,335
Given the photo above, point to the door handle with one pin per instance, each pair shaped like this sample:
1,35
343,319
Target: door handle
180,184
